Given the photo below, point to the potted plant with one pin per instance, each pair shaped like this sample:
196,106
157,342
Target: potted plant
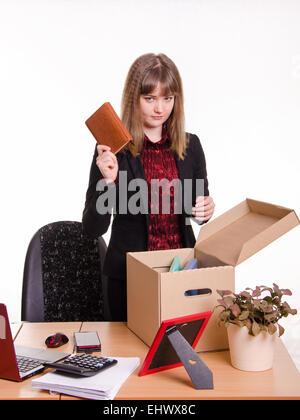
251,318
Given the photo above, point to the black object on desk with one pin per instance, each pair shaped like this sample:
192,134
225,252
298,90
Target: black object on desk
83,364
56,340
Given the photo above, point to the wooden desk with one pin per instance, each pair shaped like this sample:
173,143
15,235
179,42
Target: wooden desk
281,382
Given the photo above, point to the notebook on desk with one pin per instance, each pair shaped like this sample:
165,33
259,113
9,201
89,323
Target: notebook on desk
20,362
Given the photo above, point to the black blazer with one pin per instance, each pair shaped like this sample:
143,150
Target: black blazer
129,233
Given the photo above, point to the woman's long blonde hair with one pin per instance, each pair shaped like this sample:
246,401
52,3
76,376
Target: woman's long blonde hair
143,77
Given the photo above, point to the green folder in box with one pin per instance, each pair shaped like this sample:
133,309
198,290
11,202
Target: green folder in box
175,266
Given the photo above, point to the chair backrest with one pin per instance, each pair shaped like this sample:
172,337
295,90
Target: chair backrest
62,275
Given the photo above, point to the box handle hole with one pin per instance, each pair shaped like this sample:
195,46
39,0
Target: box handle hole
197,292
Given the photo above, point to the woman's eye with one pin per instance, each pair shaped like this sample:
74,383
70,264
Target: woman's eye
151,99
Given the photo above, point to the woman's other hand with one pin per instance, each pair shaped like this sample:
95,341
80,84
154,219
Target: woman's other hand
107,163
204,208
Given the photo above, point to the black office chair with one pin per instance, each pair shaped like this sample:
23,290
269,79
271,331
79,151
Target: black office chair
63,275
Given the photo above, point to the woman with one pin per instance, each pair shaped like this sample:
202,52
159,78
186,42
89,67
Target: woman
152,111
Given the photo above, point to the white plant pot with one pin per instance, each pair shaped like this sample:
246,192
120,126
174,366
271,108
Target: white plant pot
248,352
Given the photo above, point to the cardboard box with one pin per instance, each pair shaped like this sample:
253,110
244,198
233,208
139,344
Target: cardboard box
154,294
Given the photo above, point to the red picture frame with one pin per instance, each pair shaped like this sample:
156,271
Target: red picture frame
154,350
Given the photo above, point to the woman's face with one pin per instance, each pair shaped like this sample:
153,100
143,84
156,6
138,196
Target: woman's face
155,108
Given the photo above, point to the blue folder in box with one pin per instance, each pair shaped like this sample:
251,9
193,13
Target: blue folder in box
191,265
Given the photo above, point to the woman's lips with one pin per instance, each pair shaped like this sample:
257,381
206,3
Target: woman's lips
155,117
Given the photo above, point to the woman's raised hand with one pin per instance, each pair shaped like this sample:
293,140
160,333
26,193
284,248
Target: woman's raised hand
107,163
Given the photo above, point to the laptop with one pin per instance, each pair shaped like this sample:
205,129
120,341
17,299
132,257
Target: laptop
20,362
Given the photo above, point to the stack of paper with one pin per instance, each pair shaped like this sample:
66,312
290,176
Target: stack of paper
102,386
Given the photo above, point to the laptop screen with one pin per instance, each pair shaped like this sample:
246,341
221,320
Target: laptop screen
8,363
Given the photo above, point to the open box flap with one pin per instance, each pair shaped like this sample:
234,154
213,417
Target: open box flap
244,230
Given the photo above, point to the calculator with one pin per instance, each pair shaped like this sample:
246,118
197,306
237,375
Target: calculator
82,364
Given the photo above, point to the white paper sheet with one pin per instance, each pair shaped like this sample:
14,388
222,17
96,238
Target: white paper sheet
102,386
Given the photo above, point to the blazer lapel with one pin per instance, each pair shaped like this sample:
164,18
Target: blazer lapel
180,168
136,166
137,170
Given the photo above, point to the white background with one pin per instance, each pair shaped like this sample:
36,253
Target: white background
240,65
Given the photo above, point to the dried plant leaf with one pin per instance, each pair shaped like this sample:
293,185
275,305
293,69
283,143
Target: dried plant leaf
281,330
223,292
235,310
228,301
244,315
286,292
255,328
256,292
245,294
272,329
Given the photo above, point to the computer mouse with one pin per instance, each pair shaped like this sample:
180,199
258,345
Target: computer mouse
56,340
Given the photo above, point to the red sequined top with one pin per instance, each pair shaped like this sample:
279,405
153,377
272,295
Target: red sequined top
159,163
